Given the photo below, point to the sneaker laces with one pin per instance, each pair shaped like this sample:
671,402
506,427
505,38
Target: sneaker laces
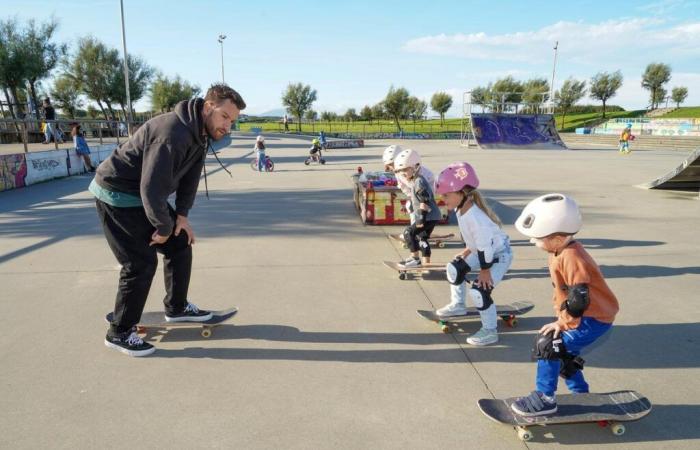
191,307
134,340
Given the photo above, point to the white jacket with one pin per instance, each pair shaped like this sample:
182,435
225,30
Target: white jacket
481,234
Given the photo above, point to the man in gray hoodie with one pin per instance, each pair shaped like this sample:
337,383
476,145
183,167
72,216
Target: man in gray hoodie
131,187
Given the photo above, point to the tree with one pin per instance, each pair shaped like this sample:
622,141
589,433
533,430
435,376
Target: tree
441,102
297,99
678,95
604,86
396,104
12,65
40,53
654,77
327,116
140,75
65,95
416,108
311,115
366,114
535,93
92,112
661,96
504,91
378,111
91,68
350,115
480,96
166,93
571,92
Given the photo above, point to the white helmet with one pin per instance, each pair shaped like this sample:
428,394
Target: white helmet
549,214
390,153
260,138
407,158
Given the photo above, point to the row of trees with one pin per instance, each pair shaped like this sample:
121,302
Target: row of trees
398,105
93,71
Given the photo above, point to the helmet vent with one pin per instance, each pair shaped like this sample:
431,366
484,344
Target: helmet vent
553,198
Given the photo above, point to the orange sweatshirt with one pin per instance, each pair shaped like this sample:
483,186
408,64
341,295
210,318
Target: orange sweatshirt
572,266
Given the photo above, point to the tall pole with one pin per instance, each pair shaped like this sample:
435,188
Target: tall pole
554,70
221,41
130,119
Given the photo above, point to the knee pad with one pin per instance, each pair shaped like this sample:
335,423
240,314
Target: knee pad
548,347
570,364
481,297
457,271
408,234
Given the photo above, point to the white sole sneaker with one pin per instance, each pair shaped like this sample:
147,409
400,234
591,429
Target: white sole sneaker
126,351
189,318
482,342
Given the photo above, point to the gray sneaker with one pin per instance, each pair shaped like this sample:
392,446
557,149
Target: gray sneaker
483,337
412,262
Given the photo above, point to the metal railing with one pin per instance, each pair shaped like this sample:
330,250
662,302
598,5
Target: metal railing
21,130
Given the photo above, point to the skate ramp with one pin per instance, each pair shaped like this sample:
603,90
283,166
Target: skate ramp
685,177
537,131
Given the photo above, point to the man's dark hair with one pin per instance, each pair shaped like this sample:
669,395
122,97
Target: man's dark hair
218,92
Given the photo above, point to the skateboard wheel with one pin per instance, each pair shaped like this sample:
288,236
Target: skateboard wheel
617,429
206,333
445,328
441,244
524,434
402,276
404,245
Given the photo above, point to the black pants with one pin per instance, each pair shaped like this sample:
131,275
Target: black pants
128,234
417,238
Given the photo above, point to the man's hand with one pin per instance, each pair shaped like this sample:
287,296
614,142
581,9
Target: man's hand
183,224
157,239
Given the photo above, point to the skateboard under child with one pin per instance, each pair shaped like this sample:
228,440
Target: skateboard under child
508,313
606,409
156,319
439,240
423,268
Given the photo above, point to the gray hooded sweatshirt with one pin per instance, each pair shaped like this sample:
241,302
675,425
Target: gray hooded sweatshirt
165,155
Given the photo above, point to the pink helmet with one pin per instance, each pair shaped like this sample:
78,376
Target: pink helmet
455,177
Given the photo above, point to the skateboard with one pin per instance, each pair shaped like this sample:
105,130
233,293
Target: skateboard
440,240
606,409
508,313
156,319
424,268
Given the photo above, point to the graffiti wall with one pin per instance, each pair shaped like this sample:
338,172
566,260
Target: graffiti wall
492,130
43,166
351,143
652,127
13,171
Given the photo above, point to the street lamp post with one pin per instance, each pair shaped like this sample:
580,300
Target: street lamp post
130,119
221,41
554,69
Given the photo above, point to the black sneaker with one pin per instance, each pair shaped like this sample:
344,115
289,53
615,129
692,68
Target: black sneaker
190,314
535,404
129,343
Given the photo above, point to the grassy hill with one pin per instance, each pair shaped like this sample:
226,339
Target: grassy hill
683,113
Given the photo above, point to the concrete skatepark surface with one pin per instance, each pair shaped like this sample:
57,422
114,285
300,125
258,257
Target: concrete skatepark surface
327,350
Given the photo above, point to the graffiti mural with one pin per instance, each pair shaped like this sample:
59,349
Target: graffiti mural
13,171
515,131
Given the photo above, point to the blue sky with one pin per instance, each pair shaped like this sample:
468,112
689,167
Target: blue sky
352,52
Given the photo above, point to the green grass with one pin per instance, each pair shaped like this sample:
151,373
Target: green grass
572,122
683,113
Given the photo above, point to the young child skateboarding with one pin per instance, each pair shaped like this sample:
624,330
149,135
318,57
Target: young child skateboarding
425,213
487,250
388,157
583,303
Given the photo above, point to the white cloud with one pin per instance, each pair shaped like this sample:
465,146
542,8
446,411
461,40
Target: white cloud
627,39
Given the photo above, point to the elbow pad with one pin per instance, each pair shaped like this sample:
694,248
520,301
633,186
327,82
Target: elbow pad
486,259
577,300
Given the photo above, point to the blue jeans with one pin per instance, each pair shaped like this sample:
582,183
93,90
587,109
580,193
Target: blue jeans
262,162
588,331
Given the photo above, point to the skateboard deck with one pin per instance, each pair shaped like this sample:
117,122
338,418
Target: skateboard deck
156,319
606,409
425,268
439,240
508,313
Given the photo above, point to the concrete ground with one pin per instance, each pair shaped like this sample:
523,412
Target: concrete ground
327,350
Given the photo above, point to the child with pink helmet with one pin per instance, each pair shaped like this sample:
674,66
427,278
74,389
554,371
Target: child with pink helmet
487,250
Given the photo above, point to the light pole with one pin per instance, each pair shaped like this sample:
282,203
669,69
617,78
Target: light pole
126,73
554,69
221,41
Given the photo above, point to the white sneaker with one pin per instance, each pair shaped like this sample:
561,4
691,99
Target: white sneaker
483,337
412,262
453,309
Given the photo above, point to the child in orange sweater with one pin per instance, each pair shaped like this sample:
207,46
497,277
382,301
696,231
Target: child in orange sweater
583,303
